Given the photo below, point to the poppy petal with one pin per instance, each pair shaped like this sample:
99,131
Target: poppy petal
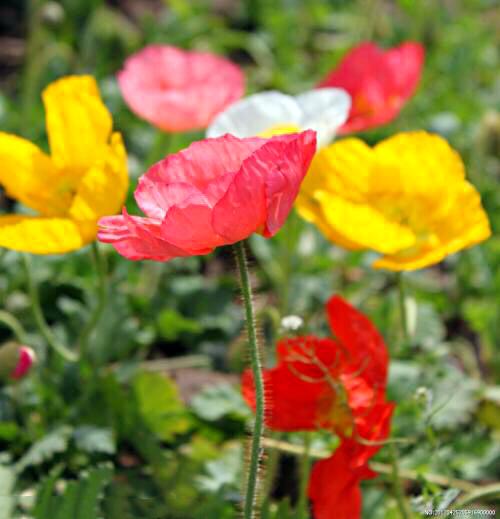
102,190
178,90
39,235
78,123
28,175
324,111
255,114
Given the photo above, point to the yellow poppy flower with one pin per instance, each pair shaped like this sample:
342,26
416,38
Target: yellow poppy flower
407,198
84,178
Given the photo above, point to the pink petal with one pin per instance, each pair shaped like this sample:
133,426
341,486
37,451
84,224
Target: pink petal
190,228
204,161
155,197
178,90
137,238
263,191
282,185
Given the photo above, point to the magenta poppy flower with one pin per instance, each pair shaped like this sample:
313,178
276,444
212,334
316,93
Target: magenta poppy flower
378,81
178,90
215,192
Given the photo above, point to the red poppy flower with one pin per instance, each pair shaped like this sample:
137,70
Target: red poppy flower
334,483
215,192
336,384
178,90
379,82
334,486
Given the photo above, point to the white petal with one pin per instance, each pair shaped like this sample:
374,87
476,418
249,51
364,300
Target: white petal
324,110
255,114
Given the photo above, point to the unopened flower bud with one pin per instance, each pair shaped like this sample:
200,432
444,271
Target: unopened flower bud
26,359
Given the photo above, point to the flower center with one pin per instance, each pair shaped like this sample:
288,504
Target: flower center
279,129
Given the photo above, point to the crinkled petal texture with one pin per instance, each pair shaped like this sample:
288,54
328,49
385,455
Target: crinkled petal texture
324,383
379,82
407,198
273,113
84,178
215,192
178,90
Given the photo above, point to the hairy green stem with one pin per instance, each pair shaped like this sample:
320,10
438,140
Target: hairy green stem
305,470
102,297
40,319
253,476
397,486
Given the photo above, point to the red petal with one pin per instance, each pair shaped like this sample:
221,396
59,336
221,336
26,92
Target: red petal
379,82
334,486
364,345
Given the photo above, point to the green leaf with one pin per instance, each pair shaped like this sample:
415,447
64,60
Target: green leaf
94,439
8,431
171,324
160,405
224,471
7,481
219,400
43,505
429,330
455,398
53,443
80,499
90,492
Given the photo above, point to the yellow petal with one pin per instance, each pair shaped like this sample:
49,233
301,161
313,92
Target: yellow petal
103,189
417,163
465,225
39,235
363,225
78,123
344,168
28,175
311,210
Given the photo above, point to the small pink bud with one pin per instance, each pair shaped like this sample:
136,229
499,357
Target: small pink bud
27,358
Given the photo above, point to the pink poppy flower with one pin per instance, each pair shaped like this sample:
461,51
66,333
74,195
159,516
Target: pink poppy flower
178,90
215,192
378,81
26,358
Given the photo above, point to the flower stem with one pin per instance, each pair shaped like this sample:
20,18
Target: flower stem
399,493
305,470
102,297
17,328
40,319
253,478
402,308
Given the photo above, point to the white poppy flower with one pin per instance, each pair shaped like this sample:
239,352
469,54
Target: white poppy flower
270,113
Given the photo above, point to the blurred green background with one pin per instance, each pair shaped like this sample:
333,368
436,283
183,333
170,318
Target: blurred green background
114,429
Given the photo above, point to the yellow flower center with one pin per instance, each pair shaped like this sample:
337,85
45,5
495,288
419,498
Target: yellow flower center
279,129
